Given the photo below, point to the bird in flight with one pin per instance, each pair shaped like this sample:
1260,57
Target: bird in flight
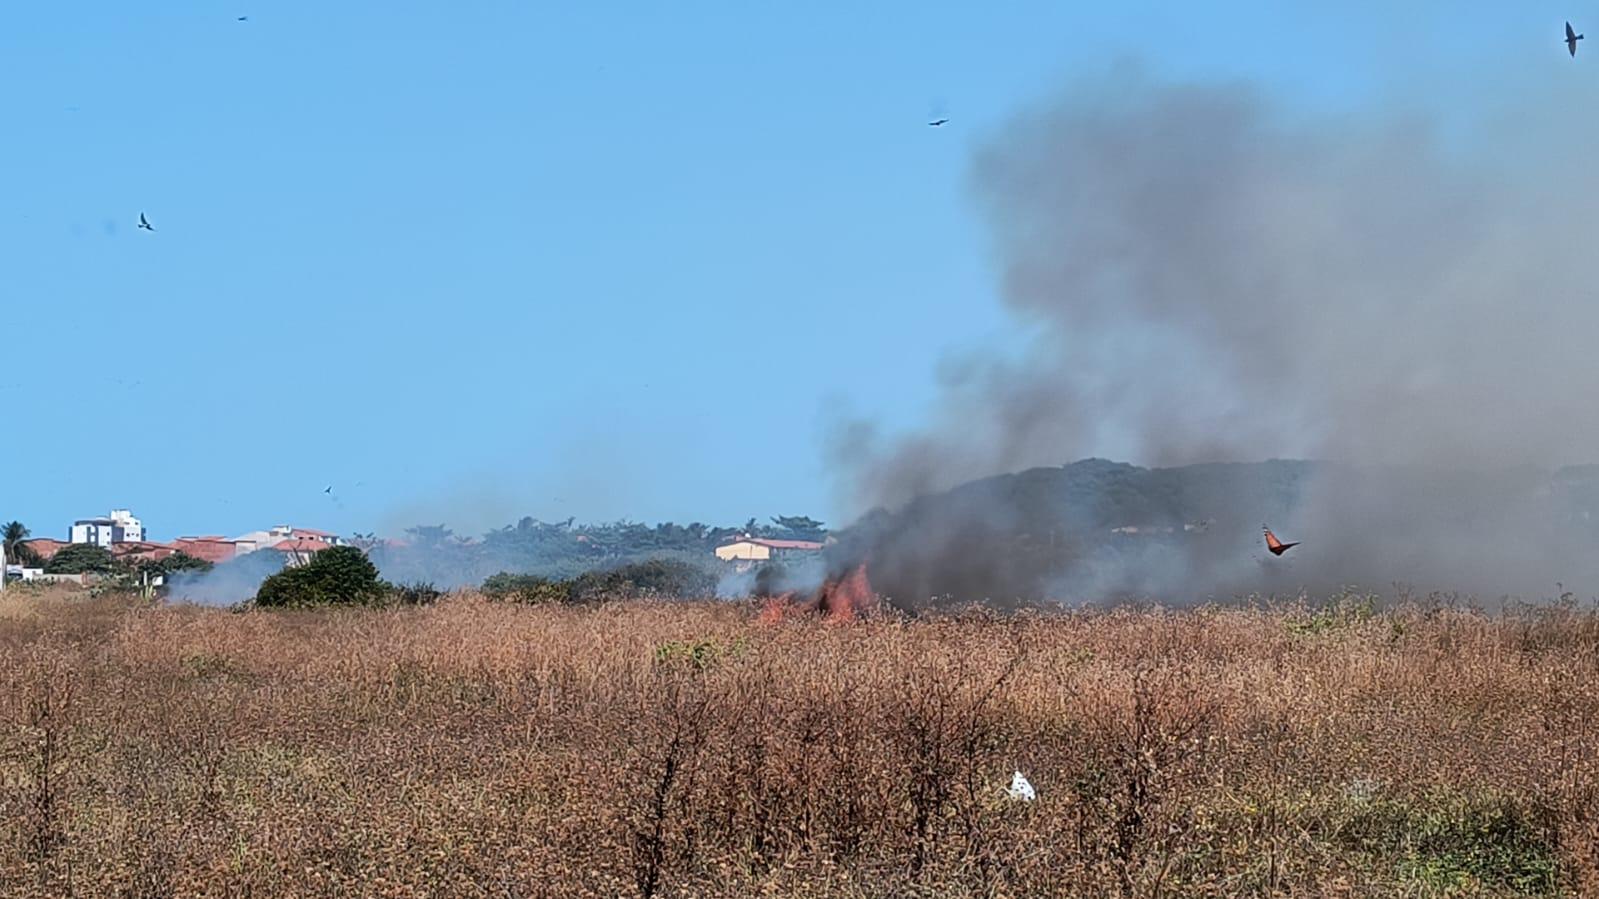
1572,38
1277,547
244,18
936,122
329,489
144,223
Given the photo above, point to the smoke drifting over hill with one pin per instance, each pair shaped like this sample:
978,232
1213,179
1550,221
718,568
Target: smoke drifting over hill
1206,275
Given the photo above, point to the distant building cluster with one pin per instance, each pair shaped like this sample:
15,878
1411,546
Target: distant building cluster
122,535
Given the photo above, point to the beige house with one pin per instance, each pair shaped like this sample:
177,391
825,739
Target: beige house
759,549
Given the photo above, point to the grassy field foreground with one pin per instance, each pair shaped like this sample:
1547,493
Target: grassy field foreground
475,749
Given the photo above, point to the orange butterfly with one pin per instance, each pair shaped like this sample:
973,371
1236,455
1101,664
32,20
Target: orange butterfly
1276,546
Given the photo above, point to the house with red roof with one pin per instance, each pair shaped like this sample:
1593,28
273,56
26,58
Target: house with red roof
761,549
140,551
45,547
255,540
299,550
211,549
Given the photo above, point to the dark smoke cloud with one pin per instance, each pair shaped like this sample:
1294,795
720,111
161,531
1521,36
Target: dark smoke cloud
1205,274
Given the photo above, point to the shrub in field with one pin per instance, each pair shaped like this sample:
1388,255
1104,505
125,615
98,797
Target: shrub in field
178,561
698,653
1448,843
1339,614
418,593
657,577
528,588
342,575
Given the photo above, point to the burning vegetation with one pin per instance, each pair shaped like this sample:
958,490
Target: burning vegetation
845,596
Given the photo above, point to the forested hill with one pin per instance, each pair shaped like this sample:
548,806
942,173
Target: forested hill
435,554
1097,529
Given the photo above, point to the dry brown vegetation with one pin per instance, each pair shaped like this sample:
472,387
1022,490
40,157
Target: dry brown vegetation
475,749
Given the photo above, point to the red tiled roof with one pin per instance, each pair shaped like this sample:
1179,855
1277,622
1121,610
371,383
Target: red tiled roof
777,544
45,547
310,532
143,549
211,549
301,546
136,546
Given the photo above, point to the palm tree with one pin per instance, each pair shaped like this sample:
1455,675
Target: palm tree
14,533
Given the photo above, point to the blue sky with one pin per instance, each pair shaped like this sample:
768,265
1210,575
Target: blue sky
467,262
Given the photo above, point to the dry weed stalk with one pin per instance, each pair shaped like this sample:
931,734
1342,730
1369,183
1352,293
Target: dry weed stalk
659,748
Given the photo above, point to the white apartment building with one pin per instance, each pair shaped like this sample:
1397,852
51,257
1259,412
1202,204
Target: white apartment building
120,527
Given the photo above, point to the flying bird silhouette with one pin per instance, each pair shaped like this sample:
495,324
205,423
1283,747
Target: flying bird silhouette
144,223
244,18
329,490
1572,38
936,122
1277,547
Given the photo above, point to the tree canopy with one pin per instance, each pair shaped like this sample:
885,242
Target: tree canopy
178,561
798,527
81,558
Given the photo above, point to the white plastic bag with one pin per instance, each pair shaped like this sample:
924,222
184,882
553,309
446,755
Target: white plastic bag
1020,789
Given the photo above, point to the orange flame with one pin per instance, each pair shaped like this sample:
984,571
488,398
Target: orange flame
840,599
846,598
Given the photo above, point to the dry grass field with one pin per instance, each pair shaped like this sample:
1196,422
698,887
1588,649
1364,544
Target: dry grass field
475,749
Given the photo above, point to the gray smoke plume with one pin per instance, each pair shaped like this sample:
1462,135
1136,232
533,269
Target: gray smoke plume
798,576
227,583
1205,275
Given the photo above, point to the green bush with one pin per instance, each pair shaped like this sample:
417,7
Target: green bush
528,588
699,654
178,561
1342,613
1458,843
341,575
420,593
656,577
